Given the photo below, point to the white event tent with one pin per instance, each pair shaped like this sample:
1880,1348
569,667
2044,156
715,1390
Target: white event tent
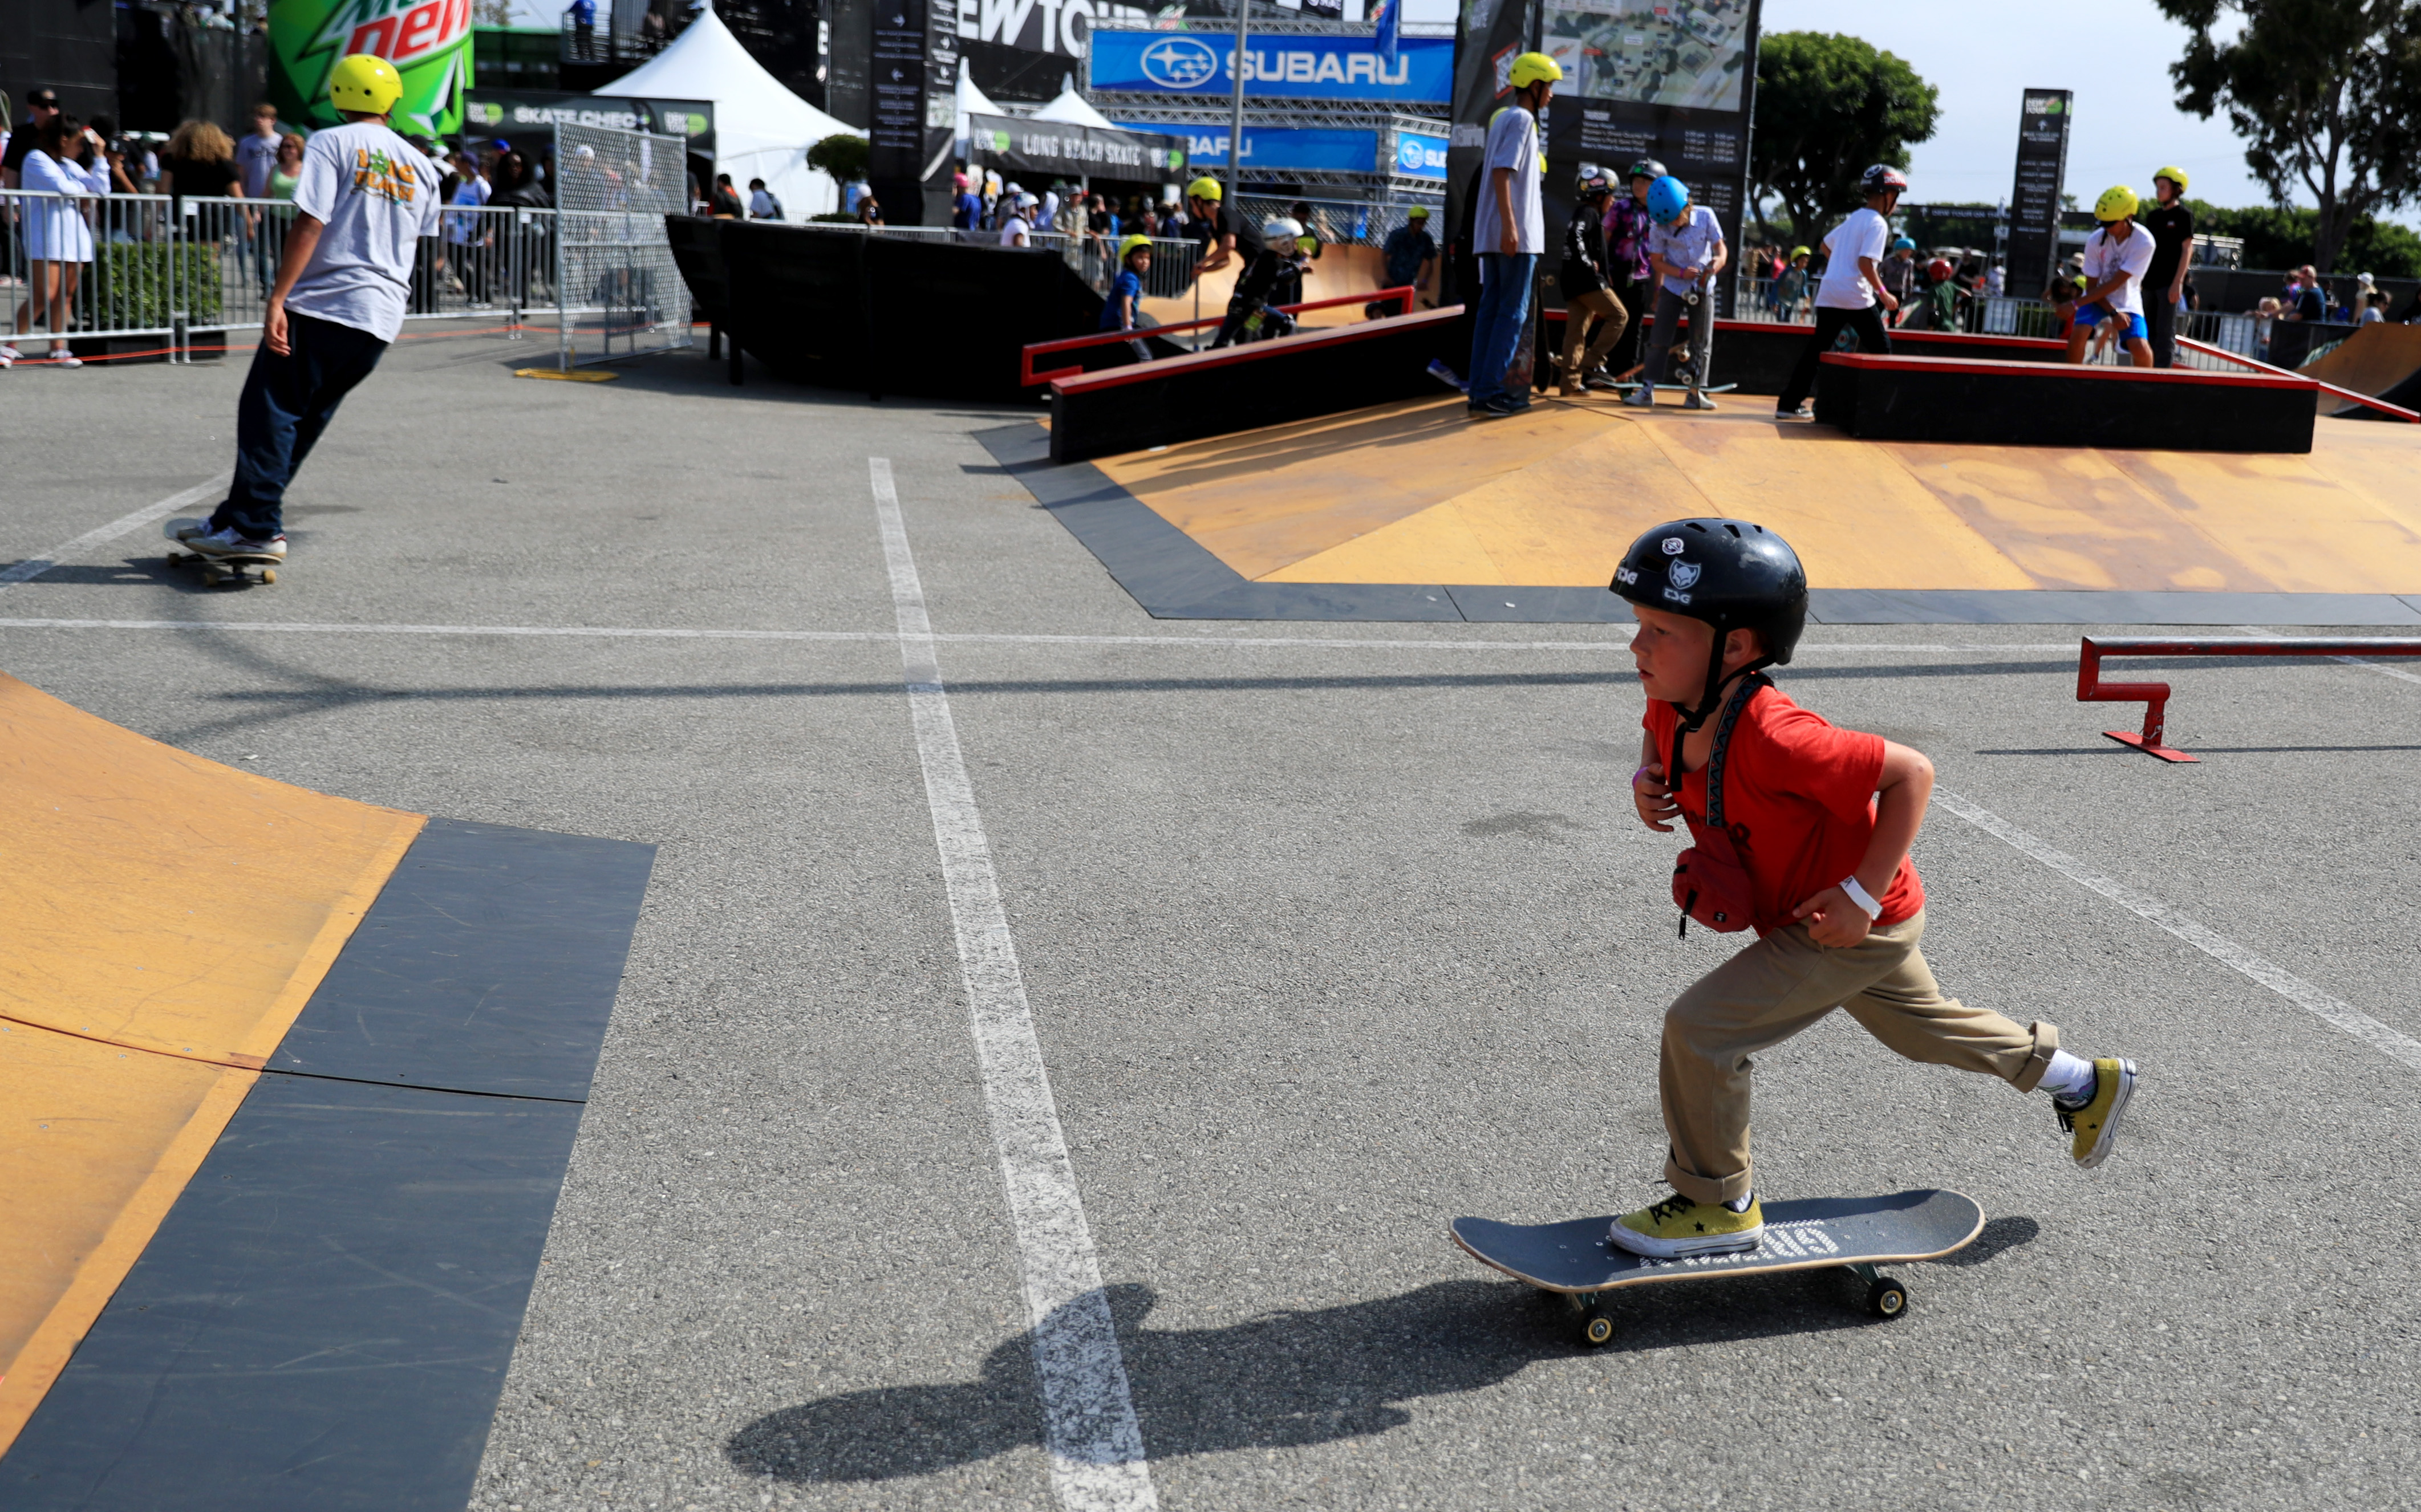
1072,109
761,129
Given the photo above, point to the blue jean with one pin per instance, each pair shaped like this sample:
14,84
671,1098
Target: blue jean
1497,325
288,401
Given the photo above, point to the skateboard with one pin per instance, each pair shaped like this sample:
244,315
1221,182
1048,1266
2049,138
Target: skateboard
1856,1234
217,571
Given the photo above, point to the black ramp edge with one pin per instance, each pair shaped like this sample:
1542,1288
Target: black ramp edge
324,1320
488,964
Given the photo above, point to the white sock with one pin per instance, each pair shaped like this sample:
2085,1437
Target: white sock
1740,1204
2068,1078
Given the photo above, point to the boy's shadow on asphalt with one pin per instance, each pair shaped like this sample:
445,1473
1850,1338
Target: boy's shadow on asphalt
1296,1378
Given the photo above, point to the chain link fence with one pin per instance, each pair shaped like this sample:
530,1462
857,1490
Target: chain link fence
618,292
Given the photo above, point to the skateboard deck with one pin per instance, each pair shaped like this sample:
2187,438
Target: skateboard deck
1856,1234
245,568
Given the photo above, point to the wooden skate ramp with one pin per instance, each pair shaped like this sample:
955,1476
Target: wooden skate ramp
167,918
1409,511
2382,361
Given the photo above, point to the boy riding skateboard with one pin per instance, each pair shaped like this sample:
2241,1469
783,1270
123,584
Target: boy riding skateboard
365,198
1810,848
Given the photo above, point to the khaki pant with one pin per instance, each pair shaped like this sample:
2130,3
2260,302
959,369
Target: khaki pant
1783,984
1611,319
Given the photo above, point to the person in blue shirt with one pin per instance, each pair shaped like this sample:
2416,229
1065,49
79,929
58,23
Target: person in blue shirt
1123,309
583,29
966,206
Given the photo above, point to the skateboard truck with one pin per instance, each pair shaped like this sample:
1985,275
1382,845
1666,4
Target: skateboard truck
1887,1298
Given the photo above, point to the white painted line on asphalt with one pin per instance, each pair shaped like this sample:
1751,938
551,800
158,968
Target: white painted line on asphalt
34,567
1088,1417
2328,1010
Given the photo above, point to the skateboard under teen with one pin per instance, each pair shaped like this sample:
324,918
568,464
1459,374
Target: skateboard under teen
1856,1234
244,567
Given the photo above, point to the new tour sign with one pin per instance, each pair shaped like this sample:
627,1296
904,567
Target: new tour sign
1275,68
428,42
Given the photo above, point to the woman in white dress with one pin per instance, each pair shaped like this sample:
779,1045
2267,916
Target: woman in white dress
67,160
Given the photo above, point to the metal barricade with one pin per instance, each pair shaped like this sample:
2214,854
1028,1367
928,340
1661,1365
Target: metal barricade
76,266
619,291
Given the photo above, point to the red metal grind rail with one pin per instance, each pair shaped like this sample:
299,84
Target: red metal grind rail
1403,295
2154,696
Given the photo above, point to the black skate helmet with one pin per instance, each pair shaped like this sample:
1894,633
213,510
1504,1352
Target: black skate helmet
1647,169
1732,574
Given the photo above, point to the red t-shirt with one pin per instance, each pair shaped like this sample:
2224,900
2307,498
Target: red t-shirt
1799,799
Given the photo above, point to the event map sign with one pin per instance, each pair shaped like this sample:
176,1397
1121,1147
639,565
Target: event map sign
1674,81
1275,68
2034,200
428,44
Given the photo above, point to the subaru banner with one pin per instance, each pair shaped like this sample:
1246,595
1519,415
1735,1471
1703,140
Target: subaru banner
1275,68
1420,157
1322,148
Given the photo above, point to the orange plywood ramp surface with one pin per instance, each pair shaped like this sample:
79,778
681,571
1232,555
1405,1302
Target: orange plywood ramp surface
166,920
1416,494
2371,361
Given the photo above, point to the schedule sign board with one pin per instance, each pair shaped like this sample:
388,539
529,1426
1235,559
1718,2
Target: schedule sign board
2034,200
914,92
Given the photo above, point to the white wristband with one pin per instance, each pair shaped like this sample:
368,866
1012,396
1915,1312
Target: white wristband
1859,896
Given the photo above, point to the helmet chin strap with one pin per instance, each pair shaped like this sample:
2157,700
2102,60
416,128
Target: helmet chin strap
1713,697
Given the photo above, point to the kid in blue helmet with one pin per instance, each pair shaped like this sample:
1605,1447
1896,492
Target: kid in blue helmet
1903,244
1667,197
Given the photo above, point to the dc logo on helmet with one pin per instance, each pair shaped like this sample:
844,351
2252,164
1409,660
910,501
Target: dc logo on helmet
1682,574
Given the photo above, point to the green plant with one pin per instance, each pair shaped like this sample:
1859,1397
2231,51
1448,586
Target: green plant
1826,107
843,155
138,285
2288,239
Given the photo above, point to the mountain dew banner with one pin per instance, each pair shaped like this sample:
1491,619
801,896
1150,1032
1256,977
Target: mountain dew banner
429,41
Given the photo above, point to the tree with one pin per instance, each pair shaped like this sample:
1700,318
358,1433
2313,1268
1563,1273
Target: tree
843,155
1827,107
2323,92
2276,238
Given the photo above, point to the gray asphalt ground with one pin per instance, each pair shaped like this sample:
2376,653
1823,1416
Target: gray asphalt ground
1326,946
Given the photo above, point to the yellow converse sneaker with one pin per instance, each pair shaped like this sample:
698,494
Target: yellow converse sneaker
1678,1227
2095,1124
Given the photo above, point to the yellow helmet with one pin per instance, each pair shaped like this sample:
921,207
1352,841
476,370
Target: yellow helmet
2174,176
365,81
1206,188
1532,66
1128,243
2117,203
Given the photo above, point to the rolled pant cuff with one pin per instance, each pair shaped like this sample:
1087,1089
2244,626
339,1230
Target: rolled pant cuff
1723,1188
2046,1041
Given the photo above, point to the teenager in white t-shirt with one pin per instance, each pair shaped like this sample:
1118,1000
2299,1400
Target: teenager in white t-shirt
2115,259
362,201
1851,295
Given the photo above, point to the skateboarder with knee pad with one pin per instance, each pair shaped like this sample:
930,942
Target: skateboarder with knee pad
1801,833
364,199
1587,293
1853,295
1686,249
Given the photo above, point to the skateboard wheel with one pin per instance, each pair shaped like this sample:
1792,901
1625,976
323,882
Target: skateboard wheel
1596,1328
269,574
1887,1297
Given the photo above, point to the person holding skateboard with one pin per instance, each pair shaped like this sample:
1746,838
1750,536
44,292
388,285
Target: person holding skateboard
1687,250
1586,296
1854,293
1808,845
1509,232
364,200
2117,257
